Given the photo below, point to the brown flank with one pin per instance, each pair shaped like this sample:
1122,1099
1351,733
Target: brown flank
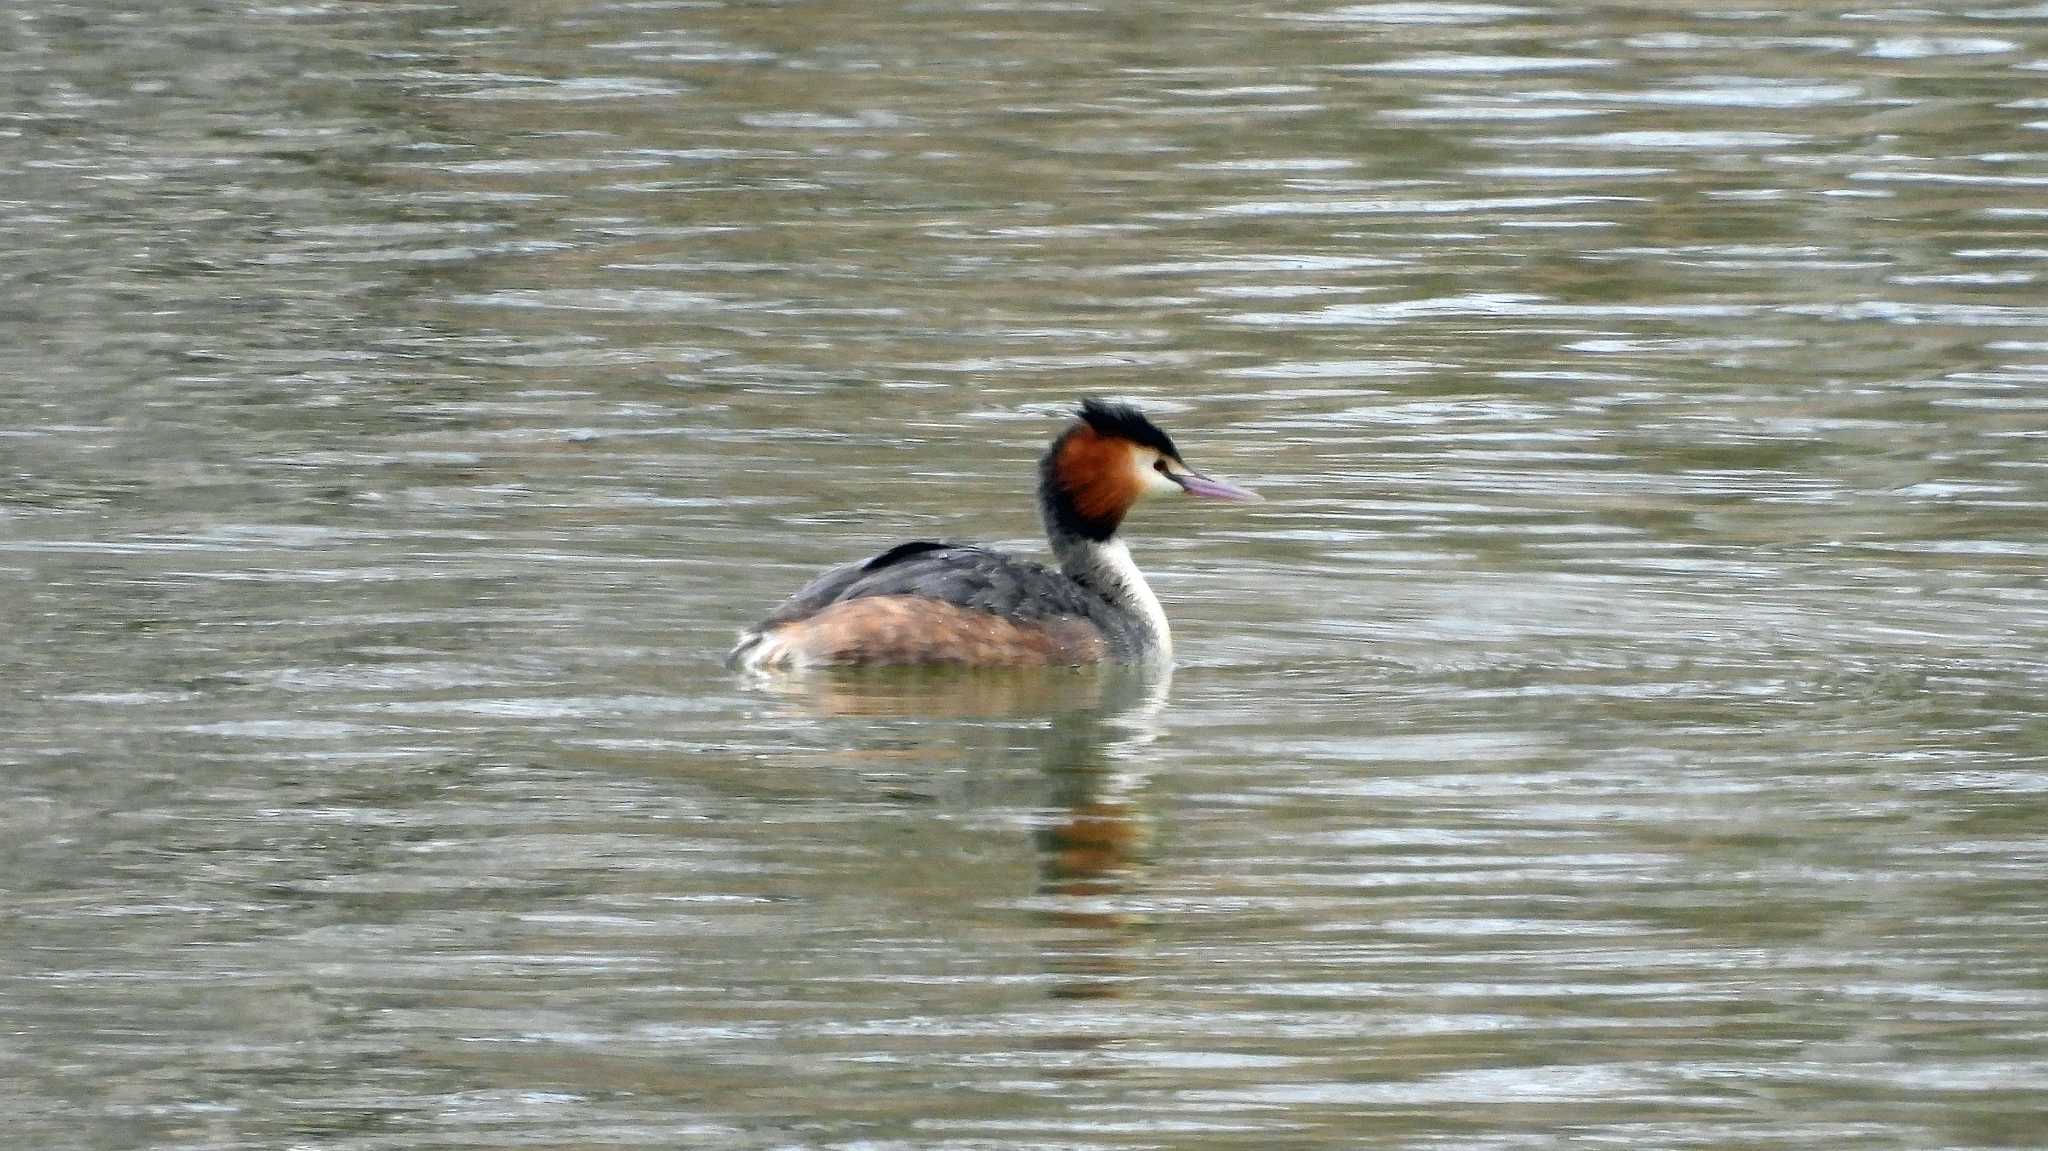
903,629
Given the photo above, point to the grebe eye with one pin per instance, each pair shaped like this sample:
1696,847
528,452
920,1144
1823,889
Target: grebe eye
1159,465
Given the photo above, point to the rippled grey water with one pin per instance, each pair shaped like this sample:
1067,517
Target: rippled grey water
1621,726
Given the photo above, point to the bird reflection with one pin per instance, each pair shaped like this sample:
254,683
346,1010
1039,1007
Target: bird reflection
1092,831
1091,849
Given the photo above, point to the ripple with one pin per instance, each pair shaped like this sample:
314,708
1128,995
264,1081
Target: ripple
1391,206
571,89
1722,92
1455,64
1520,1085
1459,111
823,121
1342,369
1482,304
1413,13
1922,47
1672,140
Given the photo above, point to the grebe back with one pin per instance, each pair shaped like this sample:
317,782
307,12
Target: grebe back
926,602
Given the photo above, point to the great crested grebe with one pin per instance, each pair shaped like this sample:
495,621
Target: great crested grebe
949,603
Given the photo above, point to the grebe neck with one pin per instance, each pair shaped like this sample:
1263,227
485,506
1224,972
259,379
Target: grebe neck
1106,568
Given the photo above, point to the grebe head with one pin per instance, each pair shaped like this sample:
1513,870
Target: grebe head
1111,458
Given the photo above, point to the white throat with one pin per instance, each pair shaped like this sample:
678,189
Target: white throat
1108,568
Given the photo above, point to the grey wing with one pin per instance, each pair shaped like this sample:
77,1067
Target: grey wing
963,574
824,591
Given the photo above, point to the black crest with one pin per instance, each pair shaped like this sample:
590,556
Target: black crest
1127,422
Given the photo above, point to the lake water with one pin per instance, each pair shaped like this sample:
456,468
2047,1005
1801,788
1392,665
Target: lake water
1621,727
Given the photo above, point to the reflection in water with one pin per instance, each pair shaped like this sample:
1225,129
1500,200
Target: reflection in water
1090,728
1095,830
940,693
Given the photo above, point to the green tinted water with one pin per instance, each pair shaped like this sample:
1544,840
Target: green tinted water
1621,724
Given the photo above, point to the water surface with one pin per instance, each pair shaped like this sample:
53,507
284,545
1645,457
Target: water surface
1621,724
